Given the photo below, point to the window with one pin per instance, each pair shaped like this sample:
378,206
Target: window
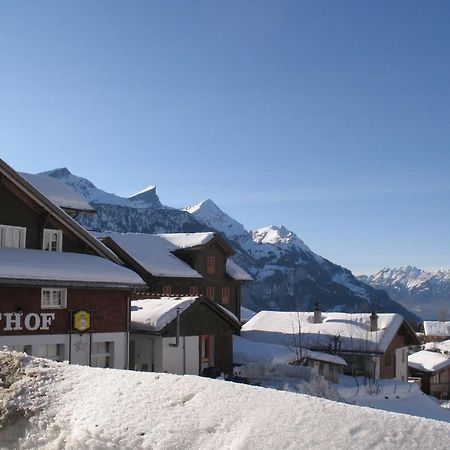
211,265
53,298
403,356
51,351
21,348
101,354
210,292
205,348
166,290
12,237
52,240
436,379
193,291
225,295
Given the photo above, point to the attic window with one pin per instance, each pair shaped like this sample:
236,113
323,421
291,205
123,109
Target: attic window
225,295
166,290
210,292
193,291
12,237
211,265
52,240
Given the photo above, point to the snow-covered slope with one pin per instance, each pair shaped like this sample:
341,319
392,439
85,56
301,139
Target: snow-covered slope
425,293
51,406
288,274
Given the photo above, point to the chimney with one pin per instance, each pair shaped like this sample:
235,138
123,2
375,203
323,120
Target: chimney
373,321
317,313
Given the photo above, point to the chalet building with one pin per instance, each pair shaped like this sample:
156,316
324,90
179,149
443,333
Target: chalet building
433,369
182,335
372,345
182,264
63,295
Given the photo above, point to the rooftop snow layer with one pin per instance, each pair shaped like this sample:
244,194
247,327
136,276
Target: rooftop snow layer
236,272
426,361
58,192
443,347
353,330
63,267
153,314
436,328
65,406
154,252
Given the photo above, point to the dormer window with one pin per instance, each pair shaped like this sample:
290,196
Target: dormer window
12,237
52,240
210,265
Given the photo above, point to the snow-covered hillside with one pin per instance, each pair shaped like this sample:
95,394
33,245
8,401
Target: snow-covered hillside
425,293
55,405
288,274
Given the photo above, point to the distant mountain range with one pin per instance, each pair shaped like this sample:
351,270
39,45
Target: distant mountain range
427,294
288,274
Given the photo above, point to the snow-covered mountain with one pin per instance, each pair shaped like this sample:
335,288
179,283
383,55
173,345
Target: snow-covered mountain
425,293
142,212
288,274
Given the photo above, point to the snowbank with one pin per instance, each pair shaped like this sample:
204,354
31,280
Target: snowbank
56,406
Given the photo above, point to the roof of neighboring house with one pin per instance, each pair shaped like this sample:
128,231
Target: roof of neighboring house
236,272
247,352
436,328
25,266
352,330
443,347
58,192
156,253
426,361
154,314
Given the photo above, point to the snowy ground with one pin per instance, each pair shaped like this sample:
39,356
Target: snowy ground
49,405
391,395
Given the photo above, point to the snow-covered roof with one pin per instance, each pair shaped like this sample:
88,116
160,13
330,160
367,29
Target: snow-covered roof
246,352
236,272
153,314
154,252
426,361
436,328
443,347
58,192
353,330
64,268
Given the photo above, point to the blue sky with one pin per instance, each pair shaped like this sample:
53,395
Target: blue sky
329,117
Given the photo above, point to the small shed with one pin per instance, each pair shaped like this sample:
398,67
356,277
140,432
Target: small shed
181,335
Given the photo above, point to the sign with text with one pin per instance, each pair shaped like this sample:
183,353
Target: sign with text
15,321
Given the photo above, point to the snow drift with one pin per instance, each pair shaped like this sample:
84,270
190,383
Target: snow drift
56,405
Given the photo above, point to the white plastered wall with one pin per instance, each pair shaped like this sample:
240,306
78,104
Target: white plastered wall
81,356
401,363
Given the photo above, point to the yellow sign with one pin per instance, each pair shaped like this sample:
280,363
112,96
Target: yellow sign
81,321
